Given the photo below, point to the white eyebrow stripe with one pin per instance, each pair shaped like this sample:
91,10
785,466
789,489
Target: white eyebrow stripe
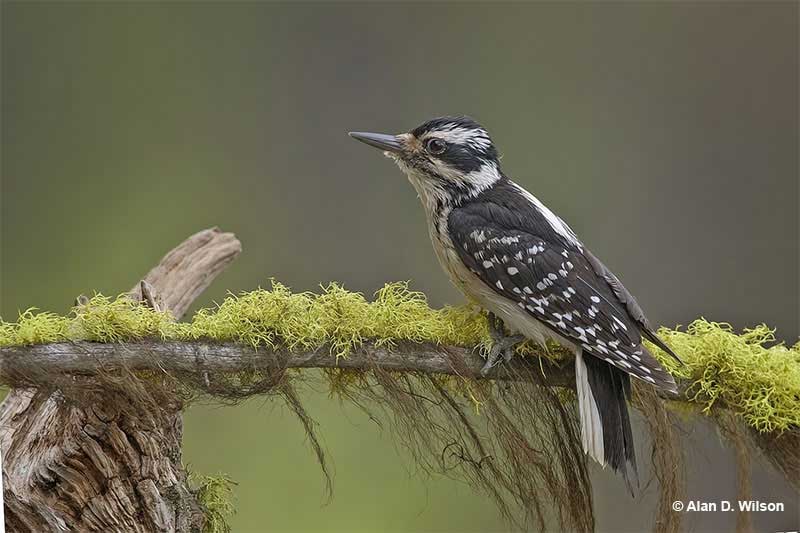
460,135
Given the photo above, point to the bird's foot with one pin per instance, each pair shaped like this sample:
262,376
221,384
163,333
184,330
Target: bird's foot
502,344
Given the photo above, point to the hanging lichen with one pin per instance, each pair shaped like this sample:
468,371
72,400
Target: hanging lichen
516,440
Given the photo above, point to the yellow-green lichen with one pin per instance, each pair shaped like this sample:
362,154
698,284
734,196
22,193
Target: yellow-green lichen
34,328
338,318
743,371
118,319
215,495
748,372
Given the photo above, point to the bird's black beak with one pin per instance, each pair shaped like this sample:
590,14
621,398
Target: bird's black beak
389,143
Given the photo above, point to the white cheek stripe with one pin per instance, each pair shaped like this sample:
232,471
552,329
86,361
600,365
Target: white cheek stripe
483,178
558,225
477,180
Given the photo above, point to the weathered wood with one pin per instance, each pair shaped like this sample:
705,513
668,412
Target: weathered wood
102,466
20,365
186,271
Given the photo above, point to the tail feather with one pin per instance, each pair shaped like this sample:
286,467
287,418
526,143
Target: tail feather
627,459
603,395
591,423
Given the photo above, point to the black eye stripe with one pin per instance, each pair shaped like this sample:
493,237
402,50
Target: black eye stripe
464,159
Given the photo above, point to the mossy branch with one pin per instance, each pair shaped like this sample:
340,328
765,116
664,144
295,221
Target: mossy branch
418,364
273,329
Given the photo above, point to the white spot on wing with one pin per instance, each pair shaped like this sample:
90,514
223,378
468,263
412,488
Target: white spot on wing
622,324
478,236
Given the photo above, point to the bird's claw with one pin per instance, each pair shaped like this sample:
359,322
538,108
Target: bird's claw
502,344
487,367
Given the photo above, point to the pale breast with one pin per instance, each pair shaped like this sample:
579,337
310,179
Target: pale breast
437,212
516,320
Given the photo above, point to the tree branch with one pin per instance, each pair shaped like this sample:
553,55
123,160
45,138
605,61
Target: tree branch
21,364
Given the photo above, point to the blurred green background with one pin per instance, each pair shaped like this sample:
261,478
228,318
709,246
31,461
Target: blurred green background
666,134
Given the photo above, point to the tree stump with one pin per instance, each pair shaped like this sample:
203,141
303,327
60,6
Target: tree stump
110,462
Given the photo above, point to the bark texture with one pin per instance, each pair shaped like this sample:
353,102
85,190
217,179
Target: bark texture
108,465
31,365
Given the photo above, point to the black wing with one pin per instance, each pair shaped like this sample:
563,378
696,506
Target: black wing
631,305
556,282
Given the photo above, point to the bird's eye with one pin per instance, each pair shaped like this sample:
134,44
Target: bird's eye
435,146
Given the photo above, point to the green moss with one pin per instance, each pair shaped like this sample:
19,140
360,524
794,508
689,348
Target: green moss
105,319
215,494
34,328
744,371
102,319
336,317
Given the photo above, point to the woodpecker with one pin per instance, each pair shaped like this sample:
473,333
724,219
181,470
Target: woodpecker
506,250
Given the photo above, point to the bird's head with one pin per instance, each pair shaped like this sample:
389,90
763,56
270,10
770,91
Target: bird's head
447,159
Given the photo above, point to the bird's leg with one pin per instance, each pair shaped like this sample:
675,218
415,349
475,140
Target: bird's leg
502,344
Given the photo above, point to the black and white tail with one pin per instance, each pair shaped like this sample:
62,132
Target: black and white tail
603,395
